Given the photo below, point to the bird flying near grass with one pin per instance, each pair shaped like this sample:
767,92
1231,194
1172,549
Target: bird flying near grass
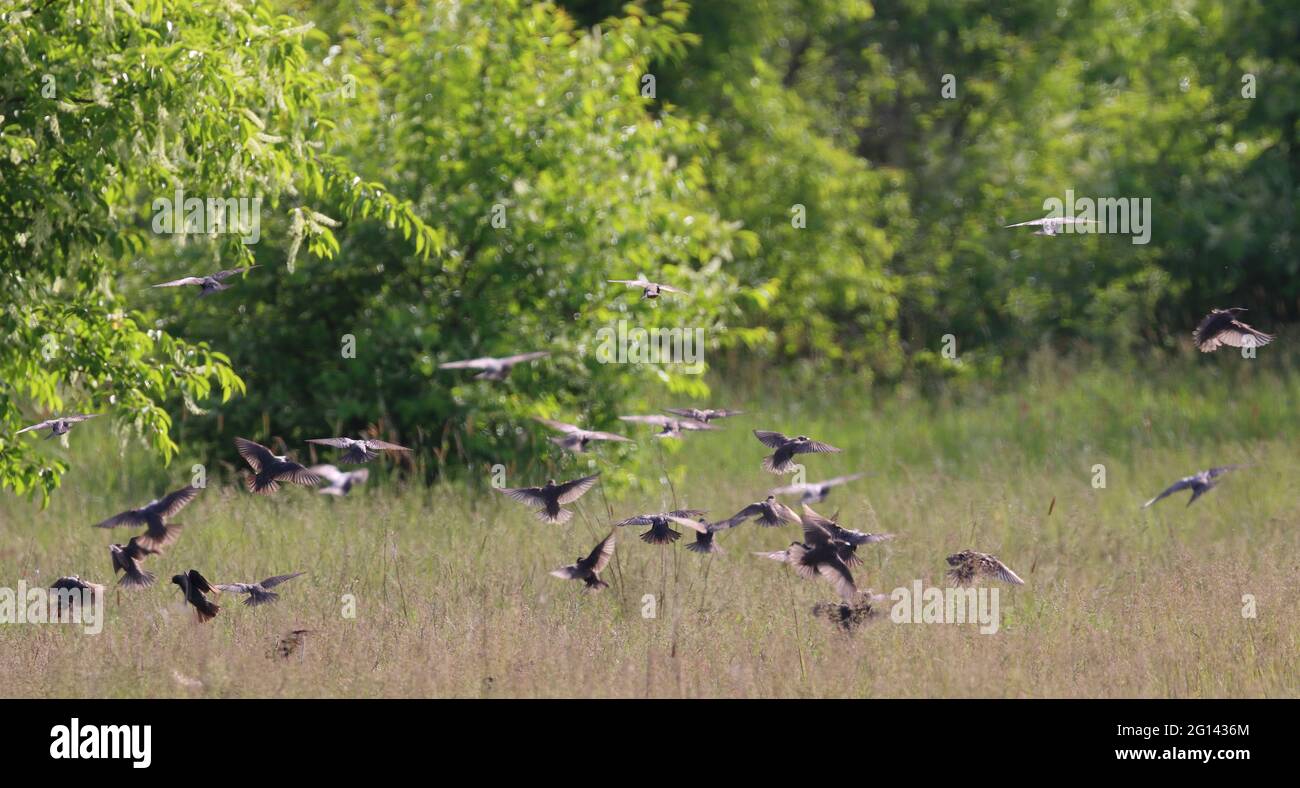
670,427
60,425
126,559
212,283
782,459
649,290
551,497
269,469
73,583
846,539
1221,327
815,492
768,512
661,531
339,482
849,616
258,593
1198,483
358,450
704,541
154,516
494,368
704,415
195,588
817,556
588,569
575,438
969,566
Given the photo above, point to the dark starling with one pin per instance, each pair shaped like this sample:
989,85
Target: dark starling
782,459
270,469
154,516
551,497
588,569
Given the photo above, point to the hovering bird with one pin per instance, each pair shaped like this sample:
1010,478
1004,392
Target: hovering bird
154,516
358,450
575,439
588,569
551,497
340,482
258,593
1053,225
1198,482
209,284
660,524
494,368
818,556
704,542
127,558
769,512
782,459
270,469
704,415
195,587
290,643
59,425
849,617
846,539
1221,327
671,428
649,290
68,599
816,492
968,566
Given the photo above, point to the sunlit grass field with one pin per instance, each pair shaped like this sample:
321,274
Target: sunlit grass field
453,598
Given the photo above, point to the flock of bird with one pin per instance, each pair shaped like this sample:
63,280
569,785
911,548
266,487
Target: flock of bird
827,550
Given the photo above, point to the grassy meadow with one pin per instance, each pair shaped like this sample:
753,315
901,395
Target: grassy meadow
453,597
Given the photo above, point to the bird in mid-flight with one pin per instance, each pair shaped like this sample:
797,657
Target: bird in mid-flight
1221,327
269,469
782,459
660,524
769,512
1052,225
358,450
209,284
575,438
816,492
670,427
127,558
1198,483
195,588
588,569
154,516
704,541
494,368
969,566
59,425
649,290
704,415
258,593
551,497
339,482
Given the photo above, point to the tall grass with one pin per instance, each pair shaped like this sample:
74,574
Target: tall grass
453,597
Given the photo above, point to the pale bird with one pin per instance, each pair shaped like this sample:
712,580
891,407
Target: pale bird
258,593
815,492
494,368
1221,327
649,290
969,566
1198,483
339,482
575,438
60,425
212,283
358,450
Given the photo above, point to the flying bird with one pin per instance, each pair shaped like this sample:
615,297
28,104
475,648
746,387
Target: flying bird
195,588
358,450
494,368
1052,225
846,539
551,497
704,415
670,428
849,616
660,524
704,542
818,556
575,439
270,469
1221,327
290,643
339,482
782,459
59,425
1199,483
258,593
816,492
588,569
73,583
127,558
209,284
769,512
969,566
154,516
649,290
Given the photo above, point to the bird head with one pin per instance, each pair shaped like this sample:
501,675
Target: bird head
179,580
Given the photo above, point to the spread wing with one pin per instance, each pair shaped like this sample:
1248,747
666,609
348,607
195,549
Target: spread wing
773,440
378,445
607,436
753,510
1003,572
329,473
639,282
235,588
222,276
1222,469
41,426
814,447
572,491
659,421
293,472
129,517
559,426
189,280
172,503
338,443
255,454
838,480
838,574
599,557
473,363
792,489
528,495
510,361
694,525
272,582
1181,484
198,581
